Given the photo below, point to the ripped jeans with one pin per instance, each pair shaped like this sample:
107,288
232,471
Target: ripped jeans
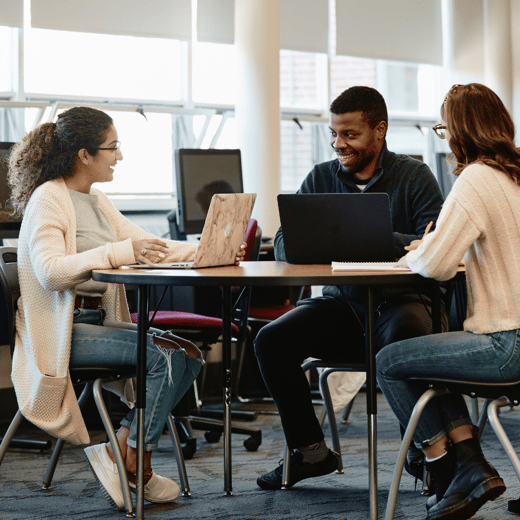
169,373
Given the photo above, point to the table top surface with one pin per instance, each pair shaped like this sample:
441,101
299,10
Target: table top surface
256,274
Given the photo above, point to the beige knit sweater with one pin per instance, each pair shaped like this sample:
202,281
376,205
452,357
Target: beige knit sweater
49,270
480,222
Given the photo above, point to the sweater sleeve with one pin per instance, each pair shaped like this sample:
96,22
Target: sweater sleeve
57,266
126,230
441,252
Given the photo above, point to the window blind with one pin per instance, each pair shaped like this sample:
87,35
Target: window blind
401,30
150,18
303,23
11,13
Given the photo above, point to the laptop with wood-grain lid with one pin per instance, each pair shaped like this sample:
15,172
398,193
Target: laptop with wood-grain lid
224,231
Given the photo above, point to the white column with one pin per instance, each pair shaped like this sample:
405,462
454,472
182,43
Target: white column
515,45
498,62
257,42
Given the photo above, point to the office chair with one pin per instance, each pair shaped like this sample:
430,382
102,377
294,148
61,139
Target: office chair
91,377
207,331
496,395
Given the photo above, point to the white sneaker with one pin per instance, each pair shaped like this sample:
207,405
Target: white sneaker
159,489
106,474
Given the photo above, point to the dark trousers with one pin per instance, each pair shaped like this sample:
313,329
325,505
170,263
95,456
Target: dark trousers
331,329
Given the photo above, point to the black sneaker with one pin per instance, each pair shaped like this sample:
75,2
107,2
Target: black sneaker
299,470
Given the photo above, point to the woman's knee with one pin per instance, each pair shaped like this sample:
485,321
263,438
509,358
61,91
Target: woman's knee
170,341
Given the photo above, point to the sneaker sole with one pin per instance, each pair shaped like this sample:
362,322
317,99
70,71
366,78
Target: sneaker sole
490,489
133,489
110,499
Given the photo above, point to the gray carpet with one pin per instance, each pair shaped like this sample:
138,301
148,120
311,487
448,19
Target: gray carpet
75,493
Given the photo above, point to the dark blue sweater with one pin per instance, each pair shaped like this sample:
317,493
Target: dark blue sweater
415,200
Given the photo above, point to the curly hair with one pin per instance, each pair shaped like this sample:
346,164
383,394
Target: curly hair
481,130
51,149
362,99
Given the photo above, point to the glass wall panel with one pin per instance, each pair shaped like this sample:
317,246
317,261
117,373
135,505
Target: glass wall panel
147,148
100,65
300,80
7,58
214,73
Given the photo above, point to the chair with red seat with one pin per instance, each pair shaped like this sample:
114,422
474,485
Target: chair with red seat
207,331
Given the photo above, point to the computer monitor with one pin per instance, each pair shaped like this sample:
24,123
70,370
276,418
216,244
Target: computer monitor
9,225
200,174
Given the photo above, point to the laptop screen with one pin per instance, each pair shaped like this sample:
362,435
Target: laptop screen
321,228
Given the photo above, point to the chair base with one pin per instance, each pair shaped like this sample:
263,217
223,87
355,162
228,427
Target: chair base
213,432
29,444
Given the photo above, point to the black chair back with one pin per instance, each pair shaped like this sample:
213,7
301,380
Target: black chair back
11,287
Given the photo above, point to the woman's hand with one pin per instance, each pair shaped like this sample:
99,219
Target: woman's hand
402,262
150,250
241,253
414,244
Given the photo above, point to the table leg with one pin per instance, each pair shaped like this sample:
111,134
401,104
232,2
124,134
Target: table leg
226,361
436,309
371,401
142,329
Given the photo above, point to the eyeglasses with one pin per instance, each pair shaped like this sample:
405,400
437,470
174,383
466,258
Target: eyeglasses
440,130
116,148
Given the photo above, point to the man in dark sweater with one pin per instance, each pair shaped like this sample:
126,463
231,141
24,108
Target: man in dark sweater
332,326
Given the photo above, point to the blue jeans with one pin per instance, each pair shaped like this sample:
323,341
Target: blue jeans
170,372
458,355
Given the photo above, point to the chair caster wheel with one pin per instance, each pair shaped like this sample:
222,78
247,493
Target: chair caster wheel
189,449
252,443
212,437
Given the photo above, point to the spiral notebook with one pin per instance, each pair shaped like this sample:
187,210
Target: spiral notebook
368,266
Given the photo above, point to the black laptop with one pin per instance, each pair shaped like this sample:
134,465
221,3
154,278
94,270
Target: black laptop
320,228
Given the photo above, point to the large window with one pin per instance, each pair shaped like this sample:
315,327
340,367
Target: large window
214,74
98,65
7,56
302,77
146,145
165,94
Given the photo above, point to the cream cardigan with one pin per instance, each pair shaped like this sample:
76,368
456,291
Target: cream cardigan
479,221
49,270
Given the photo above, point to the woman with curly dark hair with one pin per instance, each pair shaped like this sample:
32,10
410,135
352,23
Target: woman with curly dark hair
67,319
480,223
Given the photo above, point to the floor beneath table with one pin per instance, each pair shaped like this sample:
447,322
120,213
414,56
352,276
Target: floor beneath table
75,494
